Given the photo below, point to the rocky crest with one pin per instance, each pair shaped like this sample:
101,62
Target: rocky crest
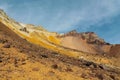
90,37
67,54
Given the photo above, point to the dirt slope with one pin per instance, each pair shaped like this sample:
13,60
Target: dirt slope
54,57
87,42
21,60
115,50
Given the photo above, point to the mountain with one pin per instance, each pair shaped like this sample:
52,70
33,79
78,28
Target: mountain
31,52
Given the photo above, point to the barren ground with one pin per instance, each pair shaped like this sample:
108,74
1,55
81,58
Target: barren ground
21,60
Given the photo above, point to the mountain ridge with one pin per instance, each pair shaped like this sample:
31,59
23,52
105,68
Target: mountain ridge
86,46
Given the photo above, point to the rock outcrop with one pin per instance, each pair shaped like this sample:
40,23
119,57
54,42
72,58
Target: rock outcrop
85,41
84,55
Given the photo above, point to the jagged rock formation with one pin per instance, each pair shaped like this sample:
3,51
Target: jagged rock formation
90,37
84,52
85,41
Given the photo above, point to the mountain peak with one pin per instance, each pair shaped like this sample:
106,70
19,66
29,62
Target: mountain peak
28,48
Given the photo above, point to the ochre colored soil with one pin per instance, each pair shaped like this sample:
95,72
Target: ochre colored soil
21,60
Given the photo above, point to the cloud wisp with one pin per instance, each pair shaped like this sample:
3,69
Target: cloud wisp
64,15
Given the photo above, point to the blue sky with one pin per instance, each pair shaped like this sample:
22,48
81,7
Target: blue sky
100,16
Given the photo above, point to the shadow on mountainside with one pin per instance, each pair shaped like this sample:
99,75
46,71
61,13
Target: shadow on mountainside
39,54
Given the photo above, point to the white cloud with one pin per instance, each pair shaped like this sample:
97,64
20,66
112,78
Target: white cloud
64,17
89,14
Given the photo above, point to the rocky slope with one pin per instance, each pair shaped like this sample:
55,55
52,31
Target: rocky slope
87,42
30,52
